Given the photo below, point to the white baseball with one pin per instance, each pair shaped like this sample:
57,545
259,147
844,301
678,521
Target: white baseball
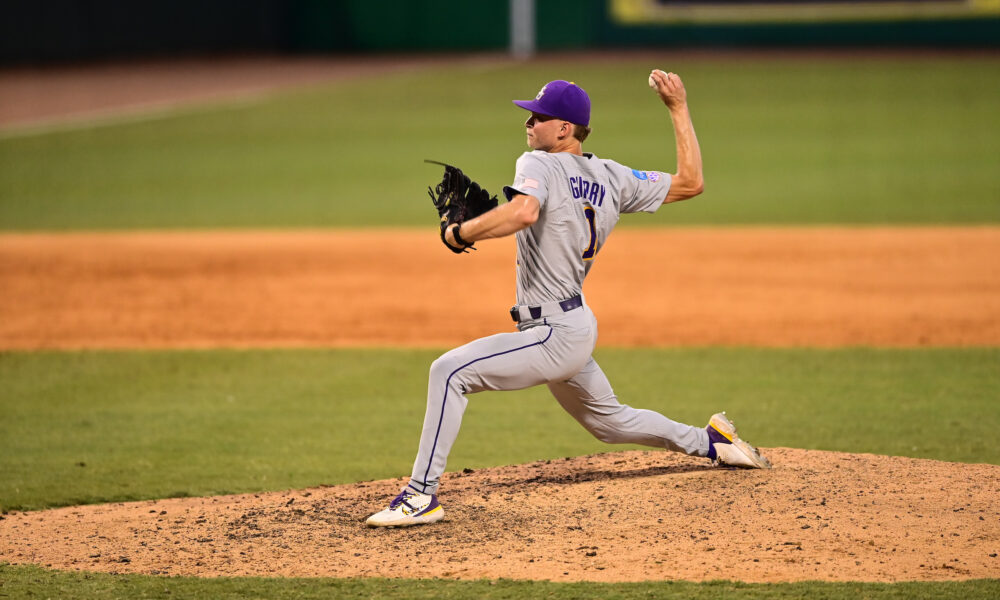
652,82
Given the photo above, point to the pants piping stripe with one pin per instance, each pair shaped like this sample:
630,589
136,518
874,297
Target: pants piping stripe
444,401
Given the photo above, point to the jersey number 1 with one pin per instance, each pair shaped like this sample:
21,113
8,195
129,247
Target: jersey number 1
588,254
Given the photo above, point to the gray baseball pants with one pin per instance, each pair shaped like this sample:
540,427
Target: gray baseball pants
554,350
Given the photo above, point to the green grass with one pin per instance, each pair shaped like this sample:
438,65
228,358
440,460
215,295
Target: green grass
84,427
101,426
33,582
788,140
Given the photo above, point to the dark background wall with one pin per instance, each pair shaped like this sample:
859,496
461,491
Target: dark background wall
60,30
40,31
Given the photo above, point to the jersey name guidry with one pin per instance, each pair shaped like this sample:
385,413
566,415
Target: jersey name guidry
588,190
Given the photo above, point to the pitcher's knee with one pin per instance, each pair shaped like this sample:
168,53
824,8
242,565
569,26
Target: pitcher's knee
612,428
609,436
447,371
604,429
444,367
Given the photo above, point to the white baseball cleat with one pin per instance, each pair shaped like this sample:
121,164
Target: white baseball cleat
408,508
728,448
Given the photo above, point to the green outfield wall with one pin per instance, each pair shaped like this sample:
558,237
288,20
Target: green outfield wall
70,30
392,25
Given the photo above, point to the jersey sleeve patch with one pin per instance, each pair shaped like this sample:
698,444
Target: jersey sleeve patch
653,176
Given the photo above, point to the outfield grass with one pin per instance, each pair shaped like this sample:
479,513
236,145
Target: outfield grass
30,582
84,427
850,140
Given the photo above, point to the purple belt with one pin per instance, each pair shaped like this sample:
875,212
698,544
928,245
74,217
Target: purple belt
547,309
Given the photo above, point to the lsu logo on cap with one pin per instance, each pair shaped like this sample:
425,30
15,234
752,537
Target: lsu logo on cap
541,92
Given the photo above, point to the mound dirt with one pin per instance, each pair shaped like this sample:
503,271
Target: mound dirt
625,516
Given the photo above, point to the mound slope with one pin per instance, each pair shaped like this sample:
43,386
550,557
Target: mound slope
623,516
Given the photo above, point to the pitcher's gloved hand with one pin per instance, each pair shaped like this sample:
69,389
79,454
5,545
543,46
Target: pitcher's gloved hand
458,199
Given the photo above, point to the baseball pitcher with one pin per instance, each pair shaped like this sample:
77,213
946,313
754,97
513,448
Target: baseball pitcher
562,205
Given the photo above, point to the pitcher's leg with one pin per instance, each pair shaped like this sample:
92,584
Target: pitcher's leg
507,361
589,398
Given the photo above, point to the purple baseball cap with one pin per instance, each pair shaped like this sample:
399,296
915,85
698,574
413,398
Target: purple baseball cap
560,99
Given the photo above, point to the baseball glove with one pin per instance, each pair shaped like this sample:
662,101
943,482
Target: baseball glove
458,199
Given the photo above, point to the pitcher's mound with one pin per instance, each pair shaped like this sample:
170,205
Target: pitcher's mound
624,516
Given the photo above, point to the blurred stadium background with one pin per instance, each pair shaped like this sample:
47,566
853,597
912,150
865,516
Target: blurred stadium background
75,30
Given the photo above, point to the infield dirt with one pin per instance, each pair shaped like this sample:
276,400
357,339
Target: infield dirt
819,287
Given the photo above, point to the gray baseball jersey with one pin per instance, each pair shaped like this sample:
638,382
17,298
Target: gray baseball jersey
580,198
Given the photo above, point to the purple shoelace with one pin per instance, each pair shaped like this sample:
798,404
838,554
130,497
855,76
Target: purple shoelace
401,499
